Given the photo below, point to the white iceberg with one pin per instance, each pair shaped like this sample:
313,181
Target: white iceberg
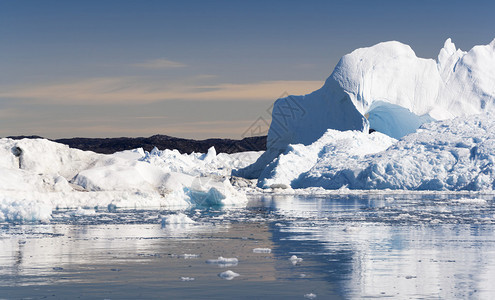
337,147
385,88
37,176
457,154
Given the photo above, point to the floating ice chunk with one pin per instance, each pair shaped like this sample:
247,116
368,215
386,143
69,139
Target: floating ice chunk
213,191
189,256
24,210
83,212
228,275
262,250
310,296
224,262
187,278
472,201
295,260
177,219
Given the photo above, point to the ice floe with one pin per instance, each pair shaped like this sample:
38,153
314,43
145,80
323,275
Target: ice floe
262,250
228,275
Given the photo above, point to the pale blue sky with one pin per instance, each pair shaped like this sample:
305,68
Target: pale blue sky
194,68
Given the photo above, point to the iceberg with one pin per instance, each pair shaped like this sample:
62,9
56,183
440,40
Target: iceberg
455,155
384,88
339,148
38,176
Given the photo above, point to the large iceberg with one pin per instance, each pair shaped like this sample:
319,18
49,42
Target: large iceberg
384,88
37,176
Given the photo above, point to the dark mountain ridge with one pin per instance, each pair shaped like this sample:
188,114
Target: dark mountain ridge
112,145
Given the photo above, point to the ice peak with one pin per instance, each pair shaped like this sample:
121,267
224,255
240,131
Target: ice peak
446,52
449,46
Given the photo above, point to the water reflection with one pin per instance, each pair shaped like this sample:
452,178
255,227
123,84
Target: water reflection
355,246
420,247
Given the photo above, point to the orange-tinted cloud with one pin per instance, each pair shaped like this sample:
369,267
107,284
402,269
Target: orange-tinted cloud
114,90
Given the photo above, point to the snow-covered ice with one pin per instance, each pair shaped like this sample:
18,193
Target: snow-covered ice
262,250
338,147
228,275
295,260
456,154
223,261
15,210
38,176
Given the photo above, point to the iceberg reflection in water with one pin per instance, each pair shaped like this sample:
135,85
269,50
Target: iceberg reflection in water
399,246
351,246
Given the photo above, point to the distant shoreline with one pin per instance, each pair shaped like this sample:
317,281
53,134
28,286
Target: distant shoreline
112,145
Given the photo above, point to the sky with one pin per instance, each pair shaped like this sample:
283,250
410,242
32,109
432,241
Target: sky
195,69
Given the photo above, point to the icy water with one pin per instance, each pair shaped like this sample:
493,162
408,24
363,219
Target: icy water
354,246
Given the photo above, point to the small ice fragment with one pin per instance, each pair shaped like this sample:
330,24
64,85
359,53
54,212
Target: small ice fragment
224,262
262,250
187,278
472,201
228,275
178,219
83,212
302,275
189,256
295,260
310,296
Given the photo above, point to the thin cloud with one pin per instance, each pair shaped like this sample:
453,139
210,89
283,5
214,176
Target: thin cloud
160,63
132,90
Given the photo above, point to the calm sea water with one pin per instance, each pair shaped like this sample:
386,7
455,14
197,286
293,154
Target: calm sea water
364,246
